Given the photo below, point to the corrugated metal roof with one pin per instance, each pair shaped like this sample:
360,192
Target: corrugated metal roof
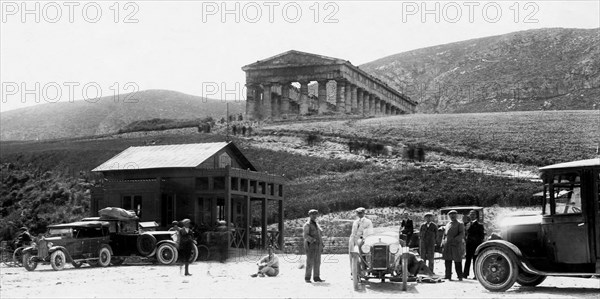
573,164
162,156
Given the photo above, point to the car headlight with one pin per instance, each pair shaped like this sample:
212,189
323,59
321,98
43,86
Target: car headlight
365,248
394,248
175,237
49,244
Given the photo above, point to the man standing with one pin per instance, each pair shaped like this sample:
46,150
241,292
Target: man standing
427,235
361,228
475,236
453,239
186,245
407,228
313,245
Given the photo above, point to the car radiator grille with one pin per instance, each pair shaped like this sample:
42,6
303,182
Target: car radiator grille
42,249
380,257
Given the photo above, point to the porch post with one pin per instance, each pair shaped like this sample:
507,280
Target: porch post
280,228
228,203
264,223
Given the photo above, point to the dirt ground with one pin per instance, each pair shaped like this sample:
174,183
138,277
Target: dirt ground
232,280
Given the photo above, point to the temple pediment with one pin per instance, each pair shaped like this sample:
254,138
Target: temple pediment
293,58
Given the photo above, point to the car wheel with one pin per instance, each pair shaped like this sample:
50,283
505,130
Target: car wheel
355,271
104,257
167,254
117,261
18,257
58,260
529,280
77,265
496,269
29,261
194,255
146,244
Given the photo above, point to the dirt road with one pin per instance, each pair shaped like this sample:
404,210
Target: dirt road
232,280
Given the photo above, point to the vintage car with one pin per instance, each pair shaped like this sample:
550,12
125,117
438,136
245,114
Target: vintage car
377,256
130,237
562,240
76,243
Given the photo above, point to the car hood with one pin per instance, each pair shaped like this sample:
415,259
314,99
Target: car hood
382,237
521,219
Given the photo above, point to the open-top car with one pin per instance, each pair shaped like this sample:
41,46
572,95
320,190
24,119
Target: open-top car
377,256
564,240
129,237
76,243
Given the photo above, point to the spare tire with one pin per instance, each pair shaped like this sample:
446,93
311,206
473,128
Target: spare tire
146,244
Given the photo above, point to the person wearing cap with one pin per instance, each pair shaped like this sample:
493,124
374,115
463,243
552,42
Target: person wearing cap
185,244
174,226
475,235
313,245
454,236
23,238
361,228
268,265
427,235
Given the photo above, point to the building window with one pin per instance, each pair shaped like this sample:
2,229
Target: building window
219,183
133,203
253,187
244,183
224,160
202,183
234,184
280,190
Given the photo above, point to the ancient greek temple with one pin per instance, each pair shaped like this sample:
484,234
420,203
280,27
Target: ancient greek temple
279,86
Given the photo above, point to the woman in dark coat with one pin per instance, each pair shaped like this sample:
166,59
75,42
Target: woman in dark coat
186,244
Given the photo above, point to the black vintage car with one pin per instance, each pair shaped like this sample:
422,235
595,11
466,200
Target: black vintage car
128,237
76,243
562,240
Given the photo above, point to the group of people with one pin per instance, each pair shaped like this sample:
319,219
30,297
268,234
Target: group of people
458,236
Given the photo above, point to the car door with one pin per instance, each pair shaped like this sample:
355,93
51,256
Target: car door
75,245
566,228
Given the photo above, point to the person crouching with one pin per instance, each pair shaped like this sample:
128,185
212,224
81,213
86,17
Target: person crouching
268,265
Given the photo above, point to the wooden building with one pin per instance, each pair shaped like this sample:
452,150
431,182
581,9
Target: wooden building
205,182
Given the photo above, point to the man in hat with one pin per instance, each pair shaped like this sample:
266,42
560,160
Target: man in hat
361,228
313,245
185,244
475,235
454,236
427,235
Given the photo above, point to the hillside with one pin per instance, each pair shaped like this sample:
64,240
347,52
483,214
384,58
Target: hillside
81,118
549,69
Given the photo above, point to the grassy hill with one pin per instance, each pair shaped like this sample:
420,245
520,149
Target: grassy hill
531,138
549,69
81,118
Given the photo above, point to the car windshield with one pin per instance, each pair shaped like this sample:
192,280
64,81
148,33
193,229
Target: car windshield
60,232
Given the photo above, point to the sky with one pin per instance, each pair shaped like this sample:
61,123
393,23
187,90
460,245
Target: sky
64,51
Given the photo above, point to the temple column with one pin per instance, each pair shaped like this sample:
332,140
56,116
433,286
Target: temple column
366,100
354,99
371,104
285,99
340,101
377,106
348,97
266,108
359,101
276,105
322,95
251,102
304,98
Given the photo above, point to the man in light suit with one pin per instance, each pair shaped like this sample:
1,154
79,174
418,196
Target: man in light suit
454,236
361,228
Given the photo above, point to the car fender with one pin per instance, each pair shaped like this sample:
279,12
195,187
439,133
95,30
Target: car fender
63,249
107,246
168,241
500,243
31,249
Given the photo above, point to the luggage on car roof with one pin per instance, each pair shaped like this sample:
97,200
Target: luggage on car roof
116,213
